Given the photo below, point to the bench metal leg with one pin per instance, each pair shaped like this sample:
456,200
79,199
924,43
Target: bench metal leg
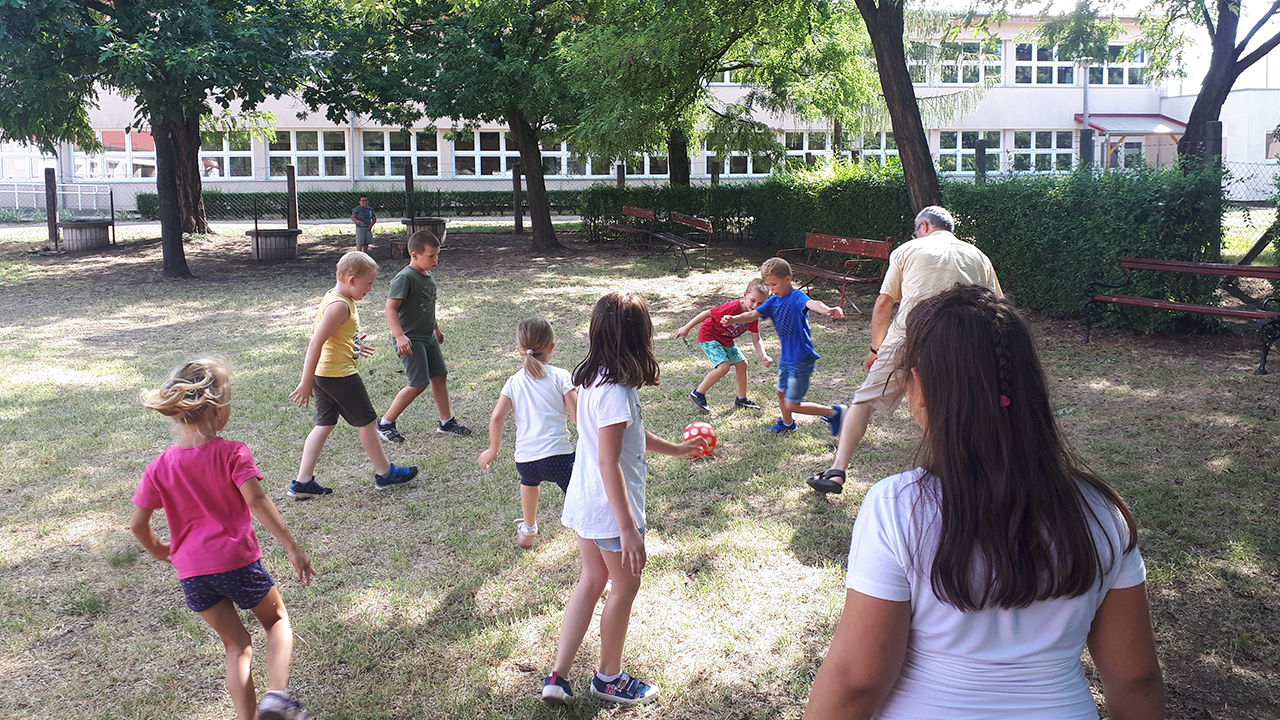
1268,333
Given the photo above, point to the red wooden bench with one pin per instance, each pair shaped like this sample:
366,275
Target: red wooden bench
1268,320
870,255
632,234
686,242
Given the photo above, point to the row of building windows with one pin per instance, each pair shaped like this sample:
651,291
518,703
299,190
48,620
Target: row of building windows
971,63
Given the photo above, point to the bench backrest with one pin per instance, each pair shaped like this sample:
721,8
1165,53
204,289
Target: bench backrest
878,249
639,212
1258,271
690,221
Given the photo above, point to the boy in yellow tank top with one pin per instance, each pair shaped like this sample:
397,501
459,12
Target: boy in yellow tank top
329,371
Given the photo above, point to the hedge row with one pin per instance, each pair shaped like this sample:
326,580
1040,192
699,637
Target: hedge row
327,204
1046,235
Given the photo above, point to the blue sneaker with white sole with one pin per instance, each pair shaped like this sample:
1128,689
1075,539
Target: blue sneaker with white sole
556,690
837,417
624,690
781,427
394,476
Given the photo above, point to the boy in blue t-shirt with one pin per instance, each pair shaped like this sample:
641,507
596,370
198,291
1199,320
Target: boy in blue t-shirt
789,308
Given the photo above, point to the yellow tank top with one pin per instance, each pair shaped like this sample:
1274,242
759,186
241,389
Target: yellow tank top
341,351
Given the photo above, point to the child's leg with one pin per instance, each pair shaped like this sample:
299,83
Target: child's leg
440,393
275,620
808,408
581,606
311,448
740,375
616,615
784,410
407,394
373,448
529,504
225,621
713,377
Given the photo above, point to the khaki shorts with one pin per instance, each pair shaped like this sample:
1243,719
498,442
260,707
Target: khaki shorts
883,389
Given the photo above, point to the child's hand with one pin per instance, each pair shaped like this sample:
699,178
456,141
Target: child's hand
365,349
301,395
836,313
766,360
682,332
488,456
633,555
439,335
161,553
727,320
302,565
403,346
687,447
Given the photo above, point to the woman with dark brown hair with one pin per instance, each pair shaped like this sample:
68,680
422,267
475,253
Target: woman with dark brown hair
976,580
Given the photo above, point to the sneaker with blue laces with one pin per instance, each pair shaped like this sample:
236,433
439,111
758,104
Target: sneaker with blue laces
781,427
452,426
307,490
837,417
556,690
624,690
395,475
699,401
387,431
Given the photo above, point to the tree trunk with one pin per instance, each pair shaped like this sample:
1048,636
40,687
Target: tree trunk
678,157
885,26
544,234
187,174
175,259
1223,70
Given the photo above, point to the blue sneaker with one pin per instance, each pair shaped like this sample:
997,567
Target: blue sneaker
781,427
699,401
307,490
837,417
396,475
625,690
556,690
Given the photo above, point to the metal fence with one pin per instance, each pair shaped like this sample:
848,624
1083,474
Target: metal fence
25,201
1251,182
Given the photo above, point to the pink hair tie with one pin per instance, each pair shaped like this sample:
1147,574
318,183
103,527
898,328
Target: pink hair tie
1004,401
528,352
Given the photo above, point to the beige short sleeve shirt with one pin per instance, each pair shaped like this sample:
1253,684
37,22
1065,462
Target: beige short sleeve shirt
927,266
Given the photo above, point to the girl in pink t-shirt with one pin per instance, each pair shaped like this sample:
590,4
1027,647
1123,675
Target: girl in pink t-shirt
207,487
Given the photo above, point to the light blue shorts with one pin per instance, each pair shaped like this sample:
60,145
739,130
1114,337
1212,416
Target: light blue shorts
718,353
613,544
793,380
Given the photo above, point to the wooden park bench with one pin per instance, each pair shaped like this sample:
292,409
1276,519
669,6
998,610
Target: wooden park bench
686,242
870,255
633,234
1268,320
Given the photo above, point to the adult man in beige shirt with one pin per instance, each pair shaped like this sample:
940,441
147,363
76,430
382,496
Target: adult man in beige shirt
934,261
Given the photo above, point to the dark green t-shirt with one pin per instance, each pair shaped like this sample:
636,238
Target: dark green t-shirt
417,295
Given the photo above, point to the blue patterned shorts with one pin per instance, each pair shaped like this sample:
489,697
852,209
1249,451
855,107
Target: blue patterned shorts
246,587
557,469
718,353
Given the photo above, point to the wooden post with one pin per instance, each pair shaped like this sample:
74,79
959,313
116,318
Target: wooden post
51,204
980,162
291,196
622,174
111,197
1086,147
408,193
714,167
517,199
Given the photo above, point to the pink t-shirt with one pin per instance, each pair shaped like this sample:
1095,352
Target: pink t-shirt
712,330
199,490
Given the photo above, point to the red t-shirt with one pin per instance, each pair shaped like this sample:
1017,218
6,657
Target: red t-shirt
199,490
711,329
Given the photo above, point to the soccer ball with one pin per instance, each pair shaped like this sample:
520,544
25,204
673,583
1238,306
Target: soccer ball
701,429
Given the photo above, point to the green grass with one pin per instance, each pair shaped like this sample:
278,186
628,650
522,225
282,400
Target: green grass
426,609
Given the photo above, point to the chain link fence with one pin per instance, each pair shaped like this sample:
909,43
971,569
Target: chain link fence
1251,182
24,201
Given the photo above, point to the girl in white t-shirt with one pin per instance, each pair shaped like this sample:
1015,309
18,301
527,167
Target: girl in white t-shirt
605,501
543,399
976,580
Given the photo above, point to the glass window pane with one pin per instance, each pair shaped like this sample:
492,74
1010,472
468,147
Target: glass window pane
1044,76
1066,75
1021,162
211,141
993,139
490,165
399,141
142,142
490,141
1043,162
1044,54
947,163
335,166
239,142
113,140
1022,52
375,166
426,141
212,167
429,166
970,48
374,141
1021,139
277,166
144,168
1095,76
738,165
761,164
398,165
817,141
1022,74
1063,161
889,142
308,140
600,166
918,73
950,74
871,141
969,139
1044,139
1115,76
948,140
993,73
634,168
1136,76
658,166
464,165
968,163
1113,52
573,166
308,167
335,140
993,162
465,141
795,141
550,165
283,141
241,167
970,74
1066,140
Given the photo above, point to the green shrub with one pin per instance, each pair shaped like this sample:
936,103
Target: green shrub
336,204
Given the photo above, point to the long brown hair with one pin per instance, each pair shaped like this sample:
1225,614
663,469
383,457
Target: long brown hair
1014,519
621,343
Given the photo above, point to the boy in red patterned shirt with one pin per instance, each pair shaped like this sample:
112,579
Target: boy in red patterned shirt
716,341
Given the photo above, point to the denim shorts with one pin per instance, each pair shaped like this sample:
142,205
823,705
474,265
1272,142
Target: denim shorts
718,353
793,380
613,544
246,587
557,469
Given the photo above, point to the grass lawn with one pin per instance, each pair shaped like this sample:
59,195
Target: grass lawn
426,609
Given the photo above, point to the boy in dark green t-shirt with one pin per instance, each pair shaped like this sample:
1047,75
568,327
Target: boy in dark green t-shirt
411,314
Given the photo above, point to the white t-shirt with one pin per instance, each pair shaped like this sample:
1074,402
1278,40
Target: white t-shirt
1018,663
538,406
926,266
586,507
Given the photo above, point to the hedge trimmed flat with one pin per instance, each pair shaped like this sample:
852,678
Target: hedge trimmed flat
825,481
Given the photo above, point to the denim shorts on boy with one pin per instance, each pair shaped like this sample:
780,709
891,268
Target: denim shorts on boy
718,353
793,380
557,469
613,544
343,396
246,587
425,363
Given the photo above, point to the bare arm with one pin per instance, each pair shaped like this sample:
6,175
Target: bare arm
267,514
334,315
881,316
140,525
571,404
695,322
740,318
653,443
392,311
439,334
764,356
496,420
820,307
864,661
633,554
1123,647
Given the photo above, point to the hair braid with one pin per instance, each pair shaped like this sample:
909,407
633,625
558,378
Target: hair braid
1004,364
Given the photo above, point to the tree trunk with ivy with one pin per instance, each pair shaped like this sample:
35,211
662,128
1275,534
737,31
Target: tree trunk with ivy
167,136
544,233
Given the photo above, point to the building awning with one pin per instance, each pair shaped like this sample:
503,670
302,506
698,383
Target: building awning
1133,124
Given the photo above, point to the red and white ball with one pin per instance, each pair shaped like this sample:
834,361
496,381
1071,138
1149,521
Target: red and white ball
700,429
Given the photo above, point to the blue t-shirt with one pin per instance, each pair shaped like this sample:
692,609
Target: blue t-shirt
791,321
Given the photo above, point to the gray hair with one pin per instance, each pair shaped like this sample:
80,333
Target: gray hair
938,217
